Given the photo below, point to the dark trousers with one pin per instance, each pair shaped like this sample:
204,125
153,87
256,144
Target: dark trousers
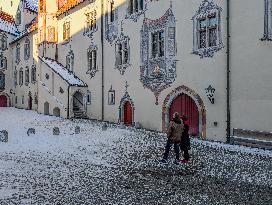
185,151
168,147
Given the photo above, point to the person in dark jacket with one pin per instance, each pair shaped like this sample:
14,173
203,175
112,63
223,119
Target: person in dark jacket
174,134
185,140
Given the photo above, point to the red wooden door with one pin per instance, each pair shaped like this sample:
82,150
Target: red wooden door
185,105
3,101
127,113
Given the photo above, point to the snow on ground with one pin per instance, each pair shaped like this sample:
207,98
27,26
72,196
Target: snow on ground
120,166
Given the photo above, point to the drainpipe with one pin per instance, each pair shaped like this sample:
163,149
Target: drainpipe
102,55
68,107
228,74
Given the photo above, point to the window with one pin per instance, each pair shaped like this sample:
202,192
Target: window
92,60
18,17
122,54
134,6
207,30
267,21
3,43
21,73
15,77
2,81
17,53
23,100
157,41
27,49
16,99
70,61
27,75
66,30
33,74
112,11
88,97
91,20
51,34
3,62
111,96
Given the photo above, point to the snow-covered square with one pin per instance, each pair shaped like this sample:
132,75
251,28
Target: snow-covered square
121,166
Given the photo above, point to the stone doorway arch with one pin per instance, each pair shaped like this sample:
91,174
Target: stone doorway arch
191,94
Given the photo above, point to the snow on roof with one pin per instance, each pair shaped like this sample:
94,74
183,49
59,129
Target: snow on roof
32,5
7,23
67,75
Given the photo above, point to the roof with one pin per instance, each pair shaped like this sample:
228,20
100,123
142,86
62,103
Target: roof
63,72
31,5
32,26
65,5
7,23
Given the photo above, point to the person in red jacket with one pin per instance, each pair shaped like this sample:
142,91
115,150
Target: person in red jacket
185,140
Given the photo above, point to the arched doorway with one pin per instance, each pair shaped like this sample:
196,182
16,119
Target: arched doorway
3,101
185,105
56,112
78,106
46,108
187,102
127,113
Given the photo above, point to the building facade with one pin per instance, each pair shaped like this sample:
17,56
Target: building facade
138,61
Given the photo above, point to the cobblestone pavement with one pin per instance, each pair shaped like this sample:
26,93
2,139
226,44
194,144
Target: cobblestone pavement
131,174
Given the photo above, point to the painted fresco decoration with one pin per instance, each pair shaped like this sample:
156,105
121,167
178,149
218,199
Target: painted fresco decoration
207,37
158,53
92,58
135,8
210,91
126,98
111,21
267,36
122,52
2,81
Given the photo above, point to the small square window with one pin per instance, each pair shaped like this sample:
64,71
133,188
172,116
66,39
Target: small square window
111,97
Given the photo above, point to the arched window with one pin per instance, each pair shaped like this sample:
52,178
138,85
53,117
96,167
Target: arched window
70,61
2,81
267,20
27,75
33,74
51,34
27,49
66,30
18,17
122,52
17,53
21,73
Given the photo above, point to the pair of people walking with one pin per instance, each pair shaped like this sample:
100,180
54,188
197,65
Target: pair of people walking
178,134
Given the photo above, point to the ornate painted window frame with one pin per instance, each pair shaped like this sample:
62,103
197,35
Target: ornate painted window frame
267,36
87,29
27,75
3,41
70,60
158,73
3,62
21,77
206,9
15,77
92,70
33,74
111,27
135,15
111,96
17,53
121,40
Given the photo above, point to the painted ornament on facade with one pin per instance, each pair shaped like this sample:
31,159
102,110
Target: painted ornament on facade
92,60
111,21
91,21
267,36
158,52
207,35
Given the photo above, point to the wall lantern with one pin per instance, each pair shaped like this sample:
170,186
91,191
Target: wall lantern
210,93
